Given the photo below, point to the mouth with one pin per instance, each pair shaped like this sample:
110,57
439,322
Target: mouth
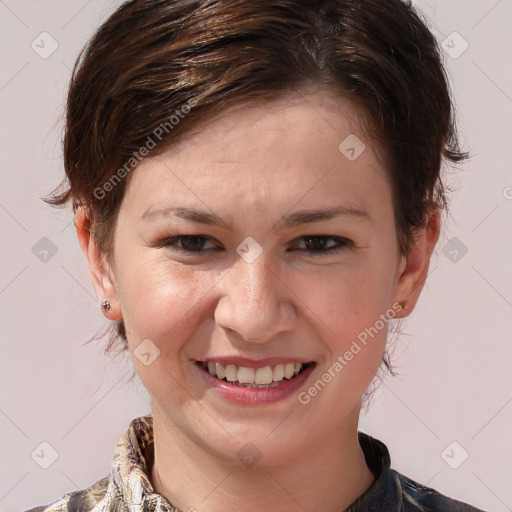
258,378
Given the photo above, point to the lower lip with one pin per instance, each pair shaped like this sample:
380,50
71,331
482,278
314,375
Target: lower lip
254,396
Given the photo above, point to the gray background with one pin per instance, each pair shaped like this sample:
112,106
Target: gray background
454,359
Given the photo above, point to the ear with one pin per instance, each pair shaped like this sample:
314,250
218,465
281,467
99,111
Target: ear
101,272
413,268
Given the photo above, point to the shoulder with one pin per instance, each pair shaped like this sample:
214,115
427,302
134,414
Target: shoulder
419,498
84,500
394,492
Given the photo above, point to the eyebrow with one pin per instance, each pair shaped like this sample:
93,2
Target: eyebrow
289,220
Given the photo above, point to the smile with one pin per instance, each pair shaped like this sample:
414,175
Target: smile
264,377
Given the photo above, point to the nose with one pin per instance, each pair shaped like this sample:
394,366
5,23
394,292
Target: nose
255,302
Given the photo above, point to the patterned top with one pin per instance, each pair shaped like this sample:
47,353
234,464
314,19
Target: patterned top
129,488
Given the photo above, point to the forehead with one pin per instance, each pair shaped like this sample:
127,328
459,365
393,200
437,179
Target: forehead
294,148
295,119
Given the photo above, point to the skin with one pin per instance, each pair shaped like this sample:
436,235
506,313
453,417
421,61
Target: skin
251,166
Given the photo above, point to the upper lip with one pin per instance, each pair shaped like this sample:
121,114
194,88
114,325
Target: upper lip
254,363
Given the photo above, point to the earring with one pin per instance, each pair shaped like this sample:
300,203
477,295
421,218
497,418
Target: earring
404,306
105,305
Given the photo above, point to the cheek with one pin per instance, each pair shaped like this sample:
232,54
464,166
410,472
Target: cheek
158,298
348,296
353,306
161,303
355,311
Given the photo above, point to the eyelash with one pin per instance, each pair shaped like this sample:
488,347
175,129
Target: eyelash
341,242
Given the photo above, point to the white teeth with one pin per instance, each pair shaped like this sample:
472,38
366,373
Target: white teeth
231,372
245,375
221,373
261,376
278,373
289,370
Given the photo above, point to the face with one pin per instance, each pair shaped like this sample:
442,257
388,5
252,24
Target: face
256,245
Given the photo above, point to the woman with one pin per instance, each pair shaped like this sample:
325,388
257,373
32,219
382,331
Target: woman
256,187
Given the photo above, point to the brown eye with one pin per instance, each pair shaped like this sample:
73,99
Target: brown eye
322,244
186,243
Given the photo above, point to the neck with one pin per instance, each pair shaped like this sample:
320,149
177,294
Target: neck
327,477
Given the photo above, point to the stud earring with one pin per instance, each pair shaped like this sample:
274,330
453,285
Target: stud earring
105,305
404,306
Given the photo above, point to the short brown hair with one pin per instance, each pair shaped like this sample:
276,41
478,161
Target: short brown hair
152,58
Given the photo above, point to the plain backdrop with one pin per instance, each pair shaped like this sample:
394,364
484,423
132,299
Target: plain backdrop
451,404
